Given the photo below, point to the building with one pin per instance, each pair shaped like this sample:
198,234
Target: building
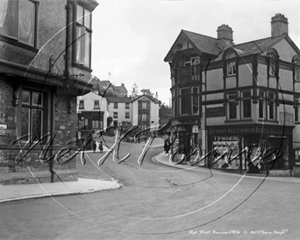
92,112
120,109
45,62
107,89
227,96
145,112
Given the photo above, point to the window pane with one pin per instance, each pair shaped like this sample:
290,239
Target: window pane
232,110
261,108
195,101
87,19
37,99
25,97
25,122
80,45
36,123
271,109
26,21
247,108
87,43
79,14
9,12
185,101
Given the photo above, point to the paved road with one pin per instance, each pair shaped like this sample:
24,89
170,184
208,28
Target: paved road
159,202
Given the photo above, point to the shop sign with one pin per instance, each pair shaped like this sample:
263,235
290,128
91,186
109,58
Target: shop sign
195,129
241,130
3,128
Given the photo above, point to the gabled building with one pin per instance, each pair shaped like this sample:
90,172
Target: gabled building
145,112
92,112
45,63
120,109
227,96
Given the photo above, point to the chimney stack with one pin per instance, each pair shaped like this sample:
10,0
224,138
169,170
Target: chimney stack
279,25
225,36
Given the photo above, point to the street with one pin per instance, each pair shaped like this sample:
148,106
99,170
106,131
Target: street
159,202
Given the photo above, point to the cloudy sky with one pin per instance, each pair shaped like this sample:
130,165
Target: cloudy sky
131,38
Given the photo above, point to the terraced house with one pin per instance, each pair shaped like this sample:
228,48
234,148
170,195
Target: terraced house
227,96
45,62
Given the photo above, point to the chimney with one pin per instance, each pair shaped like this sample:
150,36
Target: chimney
279,25
156,95
122,84
225,36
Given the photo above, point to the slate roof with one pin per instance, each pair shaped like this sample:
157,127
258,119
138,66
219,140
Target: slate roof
147,96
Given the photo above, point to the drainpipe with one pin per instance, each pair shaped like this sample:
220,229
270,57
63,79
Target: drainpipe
66,73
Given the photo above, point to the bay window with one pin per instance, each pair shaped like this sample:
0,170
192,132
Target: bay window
18,20
83,34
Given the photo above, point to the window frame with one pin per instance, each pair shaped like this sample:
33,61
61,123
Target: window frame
296,68
296,108
272,102
115,105
15,40
126,105
144,105
115,114
230,102
127,115
76,25
195,96
187,102
144,117
81,104
245,100
262,105
95,105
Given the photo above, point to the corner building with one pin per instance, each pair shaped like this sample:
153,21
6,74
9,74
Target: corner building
228,96
45,63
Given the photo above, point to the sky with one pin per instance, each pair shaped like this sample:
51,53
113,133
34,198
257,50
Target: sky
131,38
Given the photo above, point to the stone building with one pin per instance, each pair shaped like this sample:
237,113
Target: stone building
45,62
227,97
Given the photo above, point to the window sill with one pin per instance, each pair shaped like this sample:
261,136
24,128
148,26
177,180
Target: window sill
81,66
17,43
265,120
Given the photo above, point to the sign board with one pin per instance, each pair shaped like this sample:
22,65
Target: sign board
3,128
195,129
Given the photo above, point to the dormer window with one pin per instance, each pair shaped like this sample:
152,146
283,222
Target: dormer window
231,64
296,65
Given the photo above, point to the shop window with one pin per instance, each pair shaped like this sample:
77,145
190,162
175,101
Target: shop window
246,104
195,101
18,20
232,106
296,107
96,104
144,117
126,114
32,115
115,115
81,104
272,107
115,105
185,101
83,32
261,105
126,105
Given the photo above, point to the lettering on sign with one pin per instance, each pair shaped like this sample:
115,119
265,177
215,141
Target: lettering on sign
258,129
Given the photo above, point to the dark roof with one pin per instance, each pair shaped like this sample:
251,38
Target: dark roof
147,96
119,99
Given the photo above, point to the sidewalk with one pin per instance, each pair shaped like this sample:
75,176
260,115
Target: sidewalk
164,160
27,191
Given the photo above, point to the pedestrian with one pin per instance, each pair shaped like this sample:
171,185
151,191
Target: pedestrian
101,147
167,146
94,136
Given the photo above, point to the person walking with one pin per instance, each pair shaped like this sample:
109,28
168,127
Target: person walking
167,146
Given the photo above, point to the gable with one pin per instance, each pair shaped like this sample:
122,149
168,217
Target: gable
285,50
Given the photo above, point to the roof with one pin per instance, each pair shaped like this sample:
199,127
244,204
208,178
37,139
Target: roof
147,96
119,99
202,43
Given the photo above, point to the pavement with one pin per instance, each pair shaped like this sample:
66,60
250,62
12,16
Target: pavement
83,185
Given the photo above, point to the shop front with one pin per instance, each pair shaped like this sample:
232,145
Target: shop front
254,148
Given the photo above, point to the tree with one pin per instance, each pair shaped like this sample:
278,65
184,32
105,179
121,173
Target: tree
165,114
135,90
147,92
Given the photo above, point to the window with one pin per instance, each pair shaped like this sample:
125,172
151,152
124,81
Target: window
32,114
144,117
185,101
195,101
115,105
115,115
272,64
96,104
246,104
81,104
18,20
231,64
232,106
144,105
272,107
83,32
296,63
126,114
95,121
261,105
296,107
126,105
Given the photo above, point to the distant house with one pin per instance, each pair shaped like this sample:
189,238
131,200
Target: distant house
121,91
145,111
120,110
92,111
